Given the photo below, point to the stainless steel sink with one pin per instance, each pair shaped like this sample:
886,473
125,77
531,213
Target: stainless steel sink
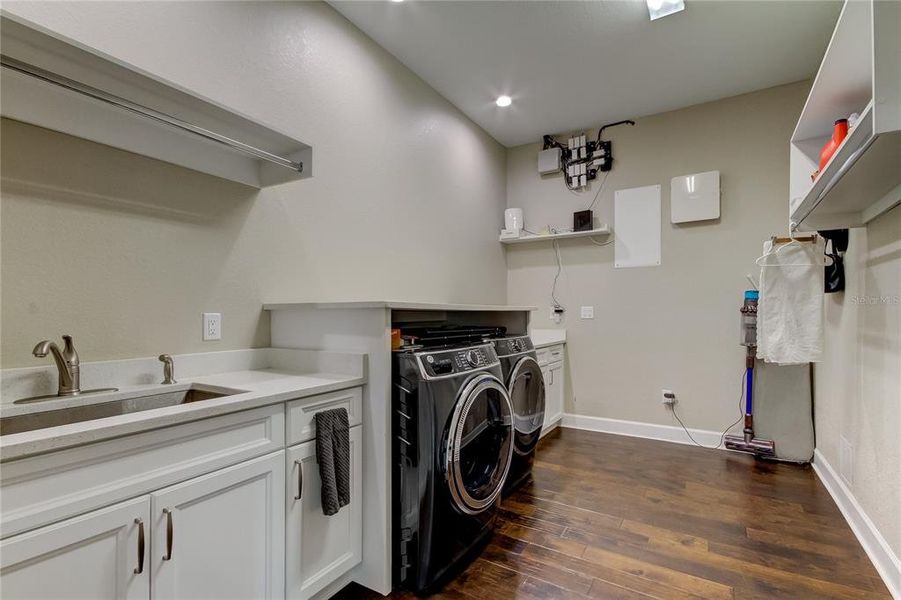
122,406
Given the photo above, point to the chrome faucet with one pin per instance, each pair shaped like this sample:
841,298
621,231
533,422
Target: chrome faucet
66,362
168,369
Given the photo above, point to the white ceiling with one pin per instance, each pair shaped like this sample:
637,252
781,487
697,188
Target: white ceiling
573,65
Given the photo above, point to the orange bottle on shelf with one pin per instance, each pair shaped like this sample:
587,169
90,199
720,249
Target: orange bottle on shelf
839,132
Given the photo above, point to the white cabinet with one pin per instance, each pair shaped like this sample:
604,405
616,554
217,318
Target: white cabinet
210,508
221,535
99,555
553,385
319,549
551,360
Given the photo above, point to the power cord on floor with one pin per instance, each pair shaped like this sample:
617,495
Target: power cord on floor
723,436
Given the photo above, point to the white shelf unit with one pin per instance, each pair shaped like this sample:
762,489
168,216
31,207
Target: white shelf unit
59,84
567,235
859,73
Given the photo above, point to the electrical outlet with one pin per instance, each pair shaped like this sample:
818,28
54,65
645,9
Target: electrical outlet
846,460
587,312
212,326
668,397
556,314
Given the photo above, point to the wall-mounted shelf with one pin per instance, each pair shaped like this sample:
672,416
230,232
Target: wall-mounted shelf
859,73
58,84
568,235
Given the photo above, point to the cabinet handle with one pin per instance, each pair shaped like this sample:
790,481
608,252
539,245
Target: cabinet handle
551,373
169,534
299,479
140,568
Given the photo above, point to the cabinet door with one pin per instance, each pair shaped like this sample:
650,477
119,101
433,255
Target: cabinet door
102,554
222,535
319,549
553,381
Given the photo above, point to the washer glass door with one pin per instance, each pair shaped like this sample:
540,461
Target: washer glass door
479,444
526,387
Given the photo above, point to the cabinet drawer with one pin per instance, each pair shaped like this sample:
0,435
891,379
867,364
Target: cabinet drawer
301,413
42,489
550,354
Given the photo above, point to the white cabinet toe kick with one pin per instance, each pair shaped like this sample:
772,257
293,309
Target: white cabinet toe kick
222,507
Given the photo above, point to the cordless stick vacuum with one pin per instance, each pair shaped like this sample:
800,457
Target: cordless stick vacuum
747,442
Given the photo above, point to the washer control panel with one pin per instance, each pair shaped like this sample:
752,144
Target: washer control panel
513,345
453,362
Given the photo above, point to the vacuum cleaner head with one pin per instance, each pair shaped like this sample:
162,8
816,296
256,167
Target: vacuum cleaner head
755,446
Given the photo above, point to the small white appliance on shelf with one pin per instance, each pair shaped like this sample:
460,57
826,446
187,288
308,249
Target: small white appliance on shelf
513,220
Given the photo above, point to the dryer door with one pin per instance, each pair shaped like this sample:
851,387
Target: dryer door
526,387
479,443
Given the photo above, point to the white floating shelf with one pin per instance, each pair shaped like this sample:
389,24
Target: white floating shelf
859,73
58,84
568,235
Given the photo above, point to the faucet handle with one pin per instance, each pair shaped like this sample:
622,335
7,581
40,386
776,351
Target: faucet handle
168,369
69,352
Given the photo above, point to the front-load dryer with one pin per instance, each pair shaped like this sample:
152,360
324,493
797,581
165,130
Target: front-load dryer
452,426
525,385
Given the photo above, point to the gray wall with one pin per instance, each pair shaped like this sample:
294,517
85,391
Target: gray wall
674,326
125,252
858,384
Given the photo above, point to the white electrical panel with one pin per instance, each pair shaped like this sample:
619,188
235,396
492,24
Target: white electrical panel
695,197
549,161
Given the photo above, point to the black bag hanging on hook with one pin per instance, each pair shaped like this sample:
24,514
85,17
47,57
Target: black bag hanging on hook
837,244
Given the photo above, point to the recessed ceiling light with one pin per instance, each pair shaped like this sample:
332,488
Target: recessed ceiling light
662,8
397,0
504,101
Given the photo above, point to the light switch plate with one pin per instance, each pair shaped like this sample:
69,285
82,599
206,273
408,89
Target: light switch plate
212,326
587,312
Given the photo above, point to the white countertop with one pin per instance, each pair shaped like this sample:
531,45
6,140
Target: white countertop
541,338
396,305
256,387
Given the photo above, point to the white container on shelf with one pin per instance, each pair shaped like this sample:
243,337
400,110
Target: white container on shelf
513,219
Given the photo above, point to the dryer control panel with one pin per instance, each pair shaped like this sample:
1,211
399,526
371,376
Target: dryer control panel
509,346
443,363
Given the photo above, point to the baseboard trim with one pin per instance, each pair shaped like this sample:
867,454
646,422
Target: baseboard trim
881,555
664,433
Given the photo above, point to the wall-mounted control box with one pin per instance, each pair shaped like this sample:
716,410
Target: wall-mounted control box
695,197
549,161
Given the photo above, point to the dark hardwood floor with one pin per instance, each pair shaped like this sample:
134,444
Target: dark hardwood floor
616,517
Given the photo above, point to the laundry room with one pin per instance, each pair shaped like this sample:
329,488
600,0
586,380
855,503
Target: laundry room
458,299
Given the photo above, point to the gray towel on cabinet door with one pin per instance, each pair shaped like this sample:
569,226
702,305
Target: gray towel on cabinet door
333,456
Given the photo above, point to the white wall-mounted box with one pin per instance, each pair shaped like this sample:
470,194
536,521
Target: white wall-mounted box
695,197
549,161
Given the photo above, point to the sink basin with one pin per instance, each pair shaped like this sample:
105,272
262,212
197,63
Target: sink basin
123,406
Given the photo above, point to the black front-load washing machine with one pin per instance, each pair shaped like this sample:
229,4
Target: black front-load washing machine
452,446
525,385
